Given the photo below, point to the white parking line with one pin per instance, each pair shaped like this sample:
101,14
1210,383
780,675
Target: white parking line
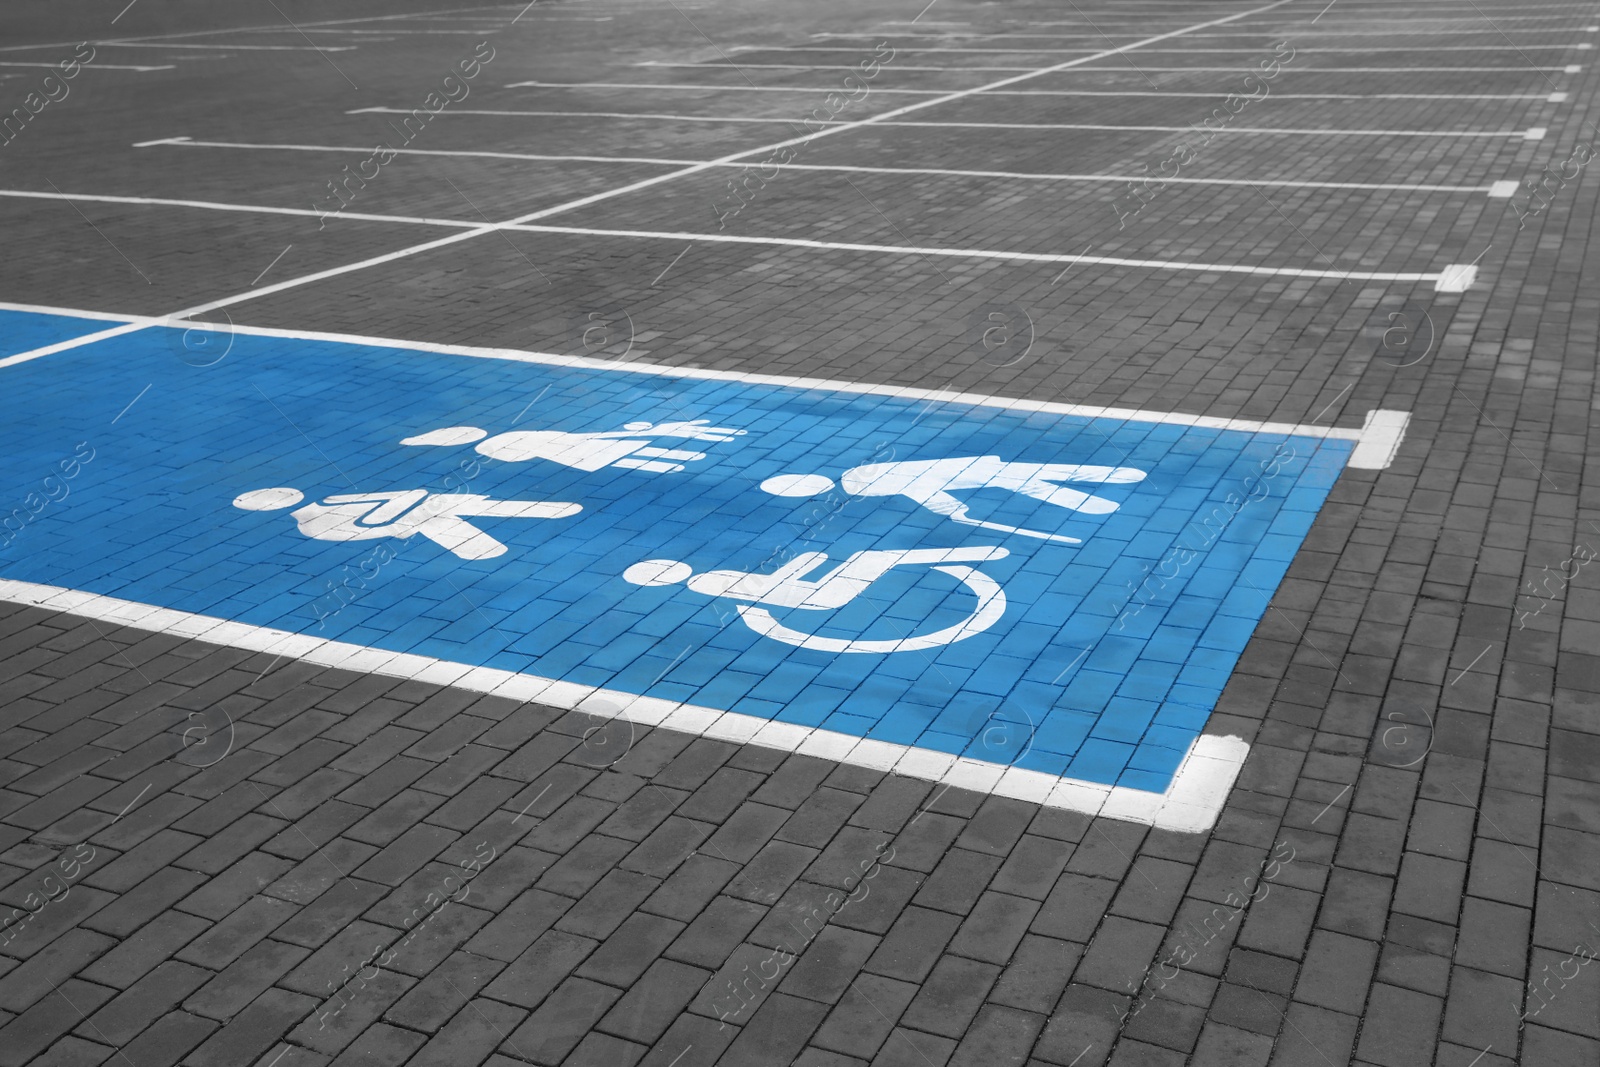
1535,133
1155,51
1499,189
1299,34
273,28
1453,278
227,47
248,209
88,66
1376,431
1171,95
654,116
1520,69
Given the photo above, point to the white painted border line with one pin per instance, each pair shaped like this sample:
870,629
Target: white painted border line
73,313
554,359
1533,134
1448,276
1366,16
1192,803
251,209
953,35
272,28
1518,69
1172,95
229,47
1381,436
1500,189
88,66
1148,51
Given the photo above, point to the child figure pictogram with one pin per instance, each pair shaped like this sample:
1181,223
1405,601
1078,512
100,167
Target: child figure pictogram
629,447
440,517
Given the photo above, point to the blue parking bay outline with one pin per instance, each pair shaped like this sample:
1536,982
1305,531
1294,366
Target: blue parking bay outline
1104,667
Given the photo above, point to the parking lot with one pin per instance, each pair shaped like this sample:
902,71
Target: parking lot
689,533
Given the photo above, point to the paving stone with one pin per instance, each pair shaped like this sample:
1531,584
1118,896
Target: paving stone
380,1044
475,1031
1036,974
226,891
824,967
1072,910
1223,1045
1164,1023
1314,1035
652,1003
630,950
1336,972
23,985
1399,1027
169,1039
252,1030
993,929
144,1002
1482,1006
817,819
865,1015
223,943
75,1052
914,943
1032,867
48,1017
950,996
432,1001
770,872
999,1036
230,990
1119,953
581,869
152,943
603,1050
603,908
1430,887
545,964
560,1023
1084,1026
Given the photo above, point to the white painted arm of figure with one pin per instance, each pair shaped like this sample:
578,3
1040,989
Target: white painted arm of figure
1112,475
393,504
742,585
959,514
477,504
461,538
698,430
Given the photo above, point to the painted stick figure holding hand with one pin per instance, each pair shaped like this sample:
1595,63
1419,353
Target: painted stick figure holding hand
440,517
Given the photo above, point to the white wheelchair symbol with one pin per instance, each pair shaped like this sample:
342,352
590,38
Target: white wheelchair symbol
787,587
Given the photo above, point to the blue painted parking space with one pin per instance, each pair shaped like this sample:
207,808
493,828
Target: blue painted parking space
1061,593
